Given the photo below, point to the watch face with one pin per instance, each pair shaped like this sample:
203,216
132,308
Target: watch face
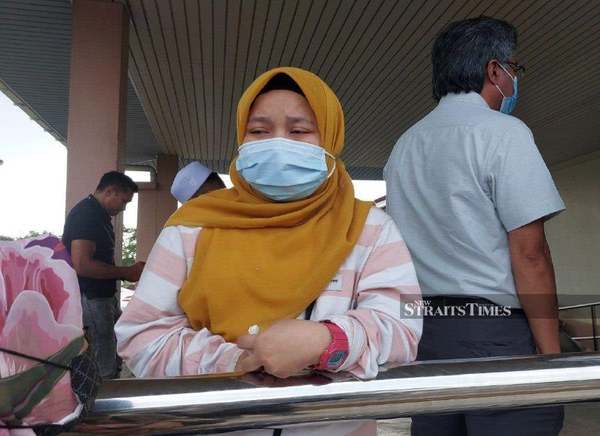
336,359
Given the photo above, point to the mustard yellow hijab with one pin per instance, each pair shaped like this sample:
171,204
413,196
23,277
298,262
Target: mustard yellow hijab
258,261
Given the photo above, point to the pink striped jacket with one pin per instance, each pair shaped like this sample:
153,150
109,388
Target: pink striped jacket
364,298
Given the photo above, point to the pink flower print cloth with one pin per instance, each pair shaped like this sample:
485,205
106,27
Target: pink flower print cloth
40,317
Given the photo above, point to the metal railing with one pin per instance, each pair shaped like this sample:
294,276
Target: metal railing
592,307
217,403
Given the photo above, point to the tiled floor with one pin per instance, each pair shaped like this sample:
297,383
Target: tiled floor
580,420
394,427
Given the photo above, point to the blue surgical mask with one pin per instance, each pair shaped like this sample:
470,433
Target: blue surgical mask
509,103
282,169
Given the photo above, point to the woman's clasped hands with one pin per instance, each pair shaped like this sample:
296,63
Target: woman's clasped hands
285,349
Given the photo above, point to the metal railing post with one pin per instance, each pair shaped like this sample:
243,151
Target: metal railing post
593,310
592,306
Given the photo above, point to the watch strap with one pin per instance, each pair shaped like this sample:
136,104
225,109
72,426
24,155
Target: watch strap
336,353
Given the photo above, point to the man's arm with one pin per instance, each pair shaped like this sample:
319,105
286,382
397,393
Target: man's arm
82,254
534,278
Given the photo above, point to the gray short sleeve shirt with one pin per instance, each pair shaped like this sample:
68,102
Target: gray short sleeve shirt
457,182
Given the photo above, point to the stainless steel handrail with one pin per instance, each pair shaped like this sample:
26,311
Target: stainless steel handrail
223,403
579,306
592,306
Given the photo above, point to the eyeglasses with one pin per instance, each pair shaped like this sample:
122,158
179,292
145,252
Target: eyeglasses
517,69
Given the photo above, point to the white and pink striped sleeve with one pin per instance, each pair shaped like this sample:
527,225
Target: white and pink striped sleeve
154,336
381,329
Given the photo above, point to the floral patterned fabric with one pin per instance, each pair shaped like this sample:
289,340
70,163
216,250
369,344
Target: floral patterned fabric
40,318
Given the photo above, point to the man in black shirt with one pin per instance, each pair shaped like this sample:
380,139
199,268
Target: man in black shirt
90,239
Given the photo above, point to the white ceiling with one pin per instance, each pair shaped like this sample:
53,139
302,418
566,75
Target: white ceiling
192,59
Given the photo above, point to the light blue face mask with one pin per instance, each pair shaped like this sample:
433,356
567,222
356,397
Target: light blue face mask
509,103
282,169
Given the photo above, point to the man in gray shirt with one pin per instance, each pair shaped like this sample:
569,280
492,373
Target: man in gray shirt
470,192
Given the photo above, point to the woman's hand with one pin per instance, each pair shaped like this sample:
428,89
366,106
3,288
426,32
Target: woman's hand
247,362
287,347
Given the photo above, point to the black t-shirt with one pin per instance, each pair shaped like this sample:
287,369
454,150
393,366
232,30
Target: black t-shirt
88,220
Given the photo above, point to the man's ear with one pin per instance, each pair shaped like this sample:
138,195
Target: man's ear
492,74
109,191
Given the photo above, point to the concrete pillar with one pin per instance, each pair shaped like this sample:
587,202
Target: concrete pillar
155,205
97,95
97,99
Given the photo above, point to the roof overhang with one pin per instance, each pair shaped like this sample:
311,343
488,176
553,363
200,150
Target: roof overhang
190,61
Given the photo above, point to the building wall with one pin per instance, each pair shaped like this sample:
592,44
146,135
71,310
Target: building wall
155,205
574,238
574,235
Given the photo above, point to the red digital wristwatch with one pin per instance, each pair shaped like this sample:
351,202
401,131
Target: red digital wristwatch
337,351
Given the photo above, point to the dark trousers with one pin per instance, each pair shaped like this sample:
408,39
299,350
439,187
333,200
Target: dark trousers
99,318
471,337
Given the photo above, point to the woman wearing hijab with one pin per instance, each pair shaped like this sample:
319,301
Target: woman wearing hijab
288,254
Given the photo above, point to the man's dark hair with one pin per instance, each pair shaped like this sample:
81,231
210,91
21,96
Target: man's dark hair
214,178
462,50
118,180
212,183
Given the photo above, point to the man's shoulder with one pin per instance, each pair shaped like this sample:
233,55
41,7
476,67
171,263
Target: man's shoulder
86,209
484,121
499,123
85,205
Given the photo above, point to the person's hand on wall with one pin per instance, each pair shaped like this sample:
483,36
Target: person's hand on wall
287,347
